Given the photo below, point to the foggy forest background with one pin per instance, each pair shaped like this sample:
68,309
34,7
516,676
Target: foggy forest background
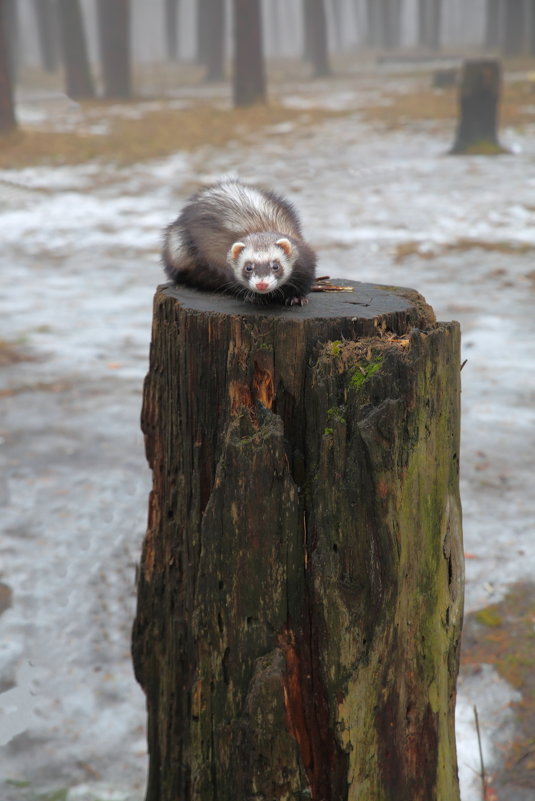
101,43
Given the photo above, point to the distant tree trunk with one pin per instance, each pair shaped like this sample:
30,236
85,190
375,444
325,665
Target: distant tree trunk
211,38
316,31
478,109
46,14
352,21
515,25
493,24
114,39
531,33
374,23
11,23
384,23
307,34
8,121
336,14
171,28
79,83
203,26
279,25
429,19
392,23
249,81
216,60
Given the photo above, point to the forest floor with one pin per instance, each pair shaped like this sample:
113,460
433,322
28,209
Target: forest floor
85,191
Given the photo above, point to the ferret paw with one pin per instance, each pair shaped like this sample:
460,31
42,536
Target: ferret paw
296,301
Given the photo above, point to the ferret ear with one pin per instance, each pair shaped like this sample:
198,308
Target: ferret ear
236,249
285,245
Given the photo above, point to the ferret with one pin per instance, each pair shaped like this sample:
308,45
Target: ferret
241,239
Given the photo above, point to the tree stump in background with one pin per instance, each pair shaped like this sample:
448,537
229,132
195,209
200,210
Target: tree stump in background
301,583
479,96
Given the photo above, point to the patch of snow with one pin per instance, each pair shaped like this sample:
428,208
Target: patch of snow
492,697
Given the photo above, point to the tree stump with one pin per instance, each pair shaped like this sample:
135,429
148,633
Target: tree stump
479,96
301,583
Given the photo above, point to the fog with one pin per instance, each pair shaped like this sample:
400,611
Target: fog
463,25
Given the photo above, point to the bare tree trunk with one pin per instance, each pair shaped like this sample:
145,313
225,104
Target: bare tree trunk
79,83
203,26
114,39
392,23
493,24
279,24
336,14
429,23
531,34
301,586
316,32
211,38
249,81
171,28
11,26
8,120
384,23
374,37
46,14
515,26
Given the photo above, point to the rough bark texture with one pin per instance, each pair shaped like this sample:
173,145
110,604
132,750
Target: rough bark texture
479,96
300,591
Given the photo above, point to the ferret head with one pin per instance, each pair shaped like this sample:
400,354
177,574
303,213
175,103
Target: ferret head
262,262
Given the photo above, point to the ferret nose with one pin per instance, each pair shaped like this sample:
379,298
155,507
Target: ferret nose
262,286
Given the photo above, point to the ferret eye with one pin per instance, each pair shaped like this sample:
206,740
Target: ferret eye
248,268
275,266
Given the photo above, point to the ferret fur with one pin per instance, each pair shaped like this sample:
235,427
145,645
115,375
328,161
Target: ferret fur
240,239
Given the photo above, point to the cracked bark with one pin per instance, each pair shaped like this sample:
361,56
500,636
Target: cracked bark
300,589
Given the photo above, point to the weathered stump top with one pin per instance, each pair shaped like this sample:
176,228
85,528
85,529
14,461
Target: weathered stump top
399,308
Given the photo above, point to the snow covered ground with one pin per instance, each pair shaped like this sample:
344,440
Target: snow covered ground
79,261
